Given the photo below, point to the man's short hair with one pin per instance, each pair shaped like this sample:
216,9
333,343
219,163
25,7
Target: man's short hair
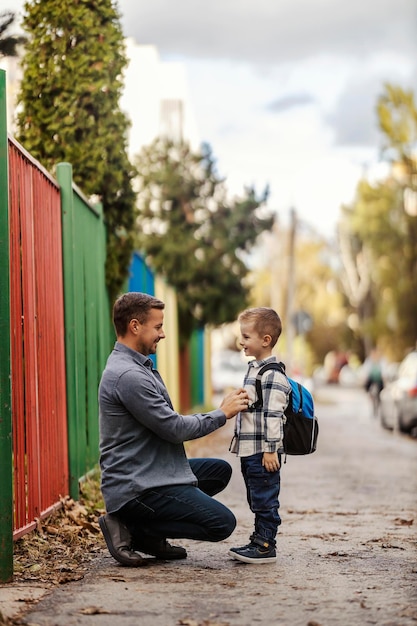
265,320
133,305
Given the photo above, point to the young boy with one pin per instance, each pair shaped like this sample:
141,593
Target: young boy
258,439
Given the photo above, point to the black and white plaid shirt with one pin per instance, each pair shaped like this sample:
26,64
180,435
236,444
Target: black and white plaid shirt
261,430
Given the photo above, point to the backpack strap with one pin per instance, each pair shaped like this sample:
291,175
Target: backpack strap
300,393
258,404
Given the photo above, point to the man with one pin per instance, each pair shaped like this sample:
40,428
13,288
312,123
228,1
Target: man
150,488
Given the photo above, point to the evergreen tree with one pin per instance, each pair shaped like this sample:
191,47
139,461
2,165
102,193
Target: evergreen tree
193,235
8,43
69,110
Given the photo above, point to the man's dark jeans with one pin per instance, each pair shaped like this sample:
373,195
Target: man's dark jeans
262,490
184,511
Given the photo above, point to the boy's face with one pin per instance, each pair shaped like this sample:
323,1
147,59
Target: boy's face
252,343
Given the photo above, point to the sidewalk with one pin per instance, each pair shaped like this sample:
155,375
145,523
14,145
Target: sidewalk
346,549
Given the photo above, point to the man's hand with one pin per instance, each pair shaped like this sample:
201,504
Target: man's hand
270,461
235,401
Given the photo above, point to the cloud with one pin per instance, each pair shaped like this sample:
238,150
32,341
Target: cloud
273,57
355,121
289,102
354,118
267,32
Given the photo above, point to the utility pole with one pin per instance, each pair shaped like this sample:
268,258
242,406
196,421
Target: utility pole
276,264
289,330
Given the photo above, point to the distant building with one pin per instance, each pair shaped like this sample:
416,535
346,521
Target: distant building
156,99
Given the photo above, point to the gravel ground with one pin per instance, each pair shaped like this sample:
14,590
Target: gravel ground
346,548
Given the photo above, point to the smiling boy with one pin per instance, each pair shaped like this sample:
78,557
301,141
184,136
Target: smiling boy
258,439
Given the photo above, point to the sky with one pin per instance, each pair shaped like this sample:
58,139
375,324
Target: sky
285,91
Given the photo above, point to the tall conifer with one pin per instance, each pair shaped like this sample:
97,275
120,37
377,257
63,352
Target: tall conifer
69,109
194,235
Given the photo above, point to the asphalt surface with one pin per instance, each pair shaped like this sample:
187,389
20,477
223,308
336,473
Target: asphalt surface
347,546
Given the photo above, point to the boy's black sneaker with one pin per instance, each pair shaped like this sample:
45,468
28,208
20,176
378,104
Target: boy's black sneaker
257,551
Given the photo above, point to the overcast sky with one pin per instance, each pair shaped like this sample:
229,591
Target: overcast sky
284,91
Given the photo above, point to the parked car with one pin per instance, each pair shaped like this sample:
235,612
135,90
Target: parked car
228,369
398,399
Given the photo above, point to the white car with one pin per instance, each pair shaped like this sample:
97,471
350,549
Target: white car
228,369
398,399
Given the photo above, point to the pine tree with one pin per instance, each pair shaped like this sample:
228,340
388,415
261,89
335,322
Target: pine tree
193,235
69,110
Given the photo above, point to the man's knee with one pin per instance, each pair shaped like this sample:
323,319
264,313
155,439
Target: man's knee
226,471
224,527
213,475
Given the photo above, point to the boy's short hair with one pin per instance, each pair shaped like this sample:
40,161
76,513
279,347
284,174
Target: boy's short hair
265,320
133,305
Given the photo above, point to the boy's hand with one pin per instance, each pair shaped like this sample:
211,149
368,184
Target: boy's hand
270,461
235,401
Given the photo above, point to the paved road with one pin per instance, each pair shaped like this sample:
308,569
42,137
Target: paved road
347,546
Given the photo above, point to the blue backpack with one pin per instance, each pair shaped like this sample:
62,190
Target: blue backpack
301,428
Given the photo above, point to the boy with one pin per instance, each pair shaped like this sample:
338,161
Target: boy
258,439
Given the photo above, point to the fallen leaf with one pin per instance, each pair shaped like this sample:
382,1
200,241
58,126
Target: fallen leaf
89,526
409,612
94,610
400,521
34,568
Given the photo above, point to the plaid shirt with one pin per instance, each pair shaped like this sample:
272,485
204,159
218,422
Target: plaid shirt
261,430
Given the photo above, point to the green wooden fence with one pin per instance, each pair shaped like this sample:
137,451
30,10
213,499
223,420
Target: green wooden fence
88,329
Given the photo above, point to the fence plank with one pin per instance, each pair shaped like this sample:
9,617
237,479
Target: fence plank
6,498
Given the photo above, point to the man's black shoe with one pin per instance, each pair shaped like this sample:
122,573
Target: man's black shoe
118,540
160,549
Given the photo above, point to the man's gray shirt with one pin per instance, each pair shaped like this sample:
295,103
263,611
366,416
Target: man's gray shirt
141,436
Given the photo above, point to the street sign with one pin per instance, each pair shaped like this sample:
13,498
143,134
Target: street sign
302,321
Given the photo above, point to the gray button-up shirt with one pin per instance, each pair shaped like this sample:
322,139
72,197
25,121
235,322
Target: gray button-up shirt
141,436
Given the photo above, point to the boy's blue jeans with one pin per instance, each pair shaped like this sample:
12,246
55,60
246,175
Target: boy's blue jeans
184,511
262,491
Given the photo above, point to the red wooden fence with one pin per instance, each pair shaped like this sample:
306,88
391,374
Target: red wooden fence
40,461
